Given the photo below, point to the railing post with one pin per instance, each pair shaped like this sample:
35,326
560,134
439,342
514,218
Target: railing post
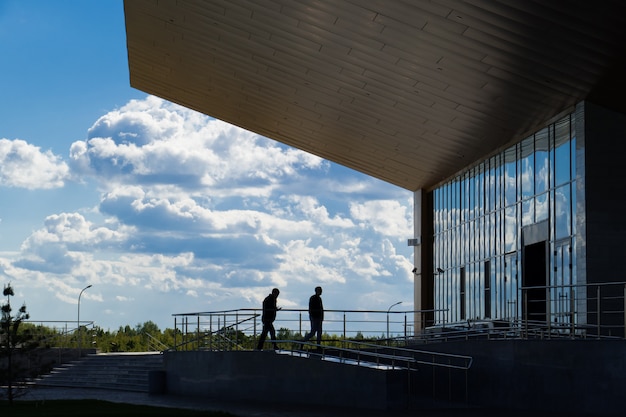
254,337
236,328
549,310
525,318
433,381
387,327
405,335
466,387
175,326
344,325
223,330
198,334
211,332
449,381
598,311
186,338
572,310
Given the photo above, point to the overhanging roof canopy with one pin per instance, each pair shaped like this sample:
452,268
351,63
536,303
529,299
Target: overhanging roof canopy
409,92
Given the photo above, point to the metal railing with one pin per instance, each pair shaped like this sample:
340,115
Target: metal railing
351,337
154,344
596,310
576,311
373,358
390,355
60,333
344,335
240,327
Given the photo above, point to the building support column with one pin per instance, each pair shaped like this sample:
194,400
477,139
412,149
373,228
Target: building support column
423,296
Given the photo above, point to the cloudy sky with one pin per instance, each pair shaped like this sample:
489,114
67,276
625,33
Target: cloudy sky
161,209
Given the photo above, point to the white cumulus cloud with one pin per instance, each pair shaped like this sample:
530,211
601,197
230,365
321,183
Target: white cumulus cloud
197,215
27,166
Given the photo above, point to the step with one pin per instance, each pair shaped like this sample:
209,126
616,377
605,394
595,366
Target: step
128,372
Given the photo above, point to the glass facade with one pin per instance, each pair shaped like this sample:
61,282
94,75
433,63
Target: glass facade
480,218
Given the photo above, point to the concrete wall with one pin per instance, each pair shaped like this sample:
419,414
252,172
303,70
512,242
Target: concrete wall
555,376
569,376
270,377
601,147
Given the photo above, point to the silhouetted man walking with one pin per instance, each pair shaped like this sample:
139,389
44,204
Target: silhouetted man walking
316,315
268,317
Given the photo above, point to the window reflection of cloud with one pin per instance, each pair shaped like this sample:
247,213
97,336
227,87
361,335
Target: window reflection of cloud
542,207
527,176
476,219
528,212
562,215
542,173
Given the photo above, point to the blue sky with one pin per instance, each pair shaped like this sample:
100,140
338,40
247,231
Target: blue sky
161,209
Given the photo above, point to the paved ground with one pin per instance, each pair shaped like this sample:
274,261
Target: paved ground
254,409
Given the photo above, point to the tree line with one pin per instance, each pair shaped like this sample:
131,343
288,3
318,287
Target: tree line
142,337
28,349
147,336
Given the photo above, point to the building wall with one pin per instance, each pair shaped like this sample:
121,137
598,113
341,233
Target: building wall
572,377
521,235
506,224
604,202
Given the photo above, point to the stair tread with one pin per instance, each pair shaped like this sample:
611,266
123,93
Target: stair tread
129,372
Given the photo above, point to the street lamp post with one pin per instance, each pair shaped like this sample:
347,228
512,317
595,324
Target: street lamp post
388,310
80,335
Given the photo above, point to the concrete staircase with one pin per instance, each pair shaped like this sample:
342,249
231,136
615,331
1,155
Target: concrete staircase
115,371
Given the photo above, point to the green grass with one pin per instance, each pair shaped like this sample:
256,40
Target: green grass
95,408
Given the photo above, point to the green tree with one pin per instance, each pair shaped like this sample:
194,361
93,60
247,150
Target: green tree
170,335
143,337
148,327
10,340
285,334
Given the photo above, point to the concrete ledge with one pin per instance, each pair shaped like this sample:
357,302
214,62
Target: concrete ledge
267,376
556,376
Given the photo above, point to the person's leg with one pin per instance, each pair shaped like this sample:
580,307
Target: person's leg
262,338
273,334
318,331
311,333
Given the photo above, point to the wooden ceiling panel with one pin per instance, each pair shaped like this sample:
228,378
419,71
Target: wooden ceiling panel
408,92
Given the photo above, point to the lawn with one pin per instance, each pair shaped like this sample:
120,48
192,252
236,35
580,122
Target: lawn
95,408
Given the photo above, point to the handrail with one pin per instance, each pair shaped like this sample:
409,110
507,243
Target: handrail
465,361
156,342
324,354
575,309
220,332
229,328
205,330
63,333
567,311
297,321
